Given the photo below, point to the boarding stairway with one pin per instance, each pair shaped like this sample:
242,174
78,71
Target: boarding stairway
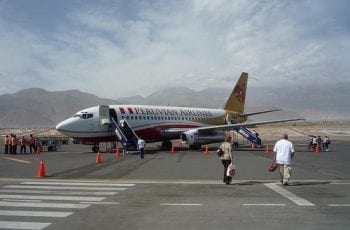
247,134
125,134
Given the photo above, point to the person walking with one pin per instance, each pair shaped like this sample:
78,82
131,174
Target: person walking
141,147
227,157
325,143
284,150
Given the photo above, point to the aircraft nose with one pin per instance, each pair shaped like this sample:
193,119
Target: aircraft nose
64,126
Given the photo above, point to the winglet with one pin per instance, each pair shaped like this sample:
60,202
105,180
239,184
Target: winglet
236,100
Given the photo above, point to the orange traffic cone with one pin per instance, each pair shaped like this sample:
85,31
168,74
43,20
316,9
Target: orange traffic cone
98,158
267,149
317,149
38,150
173,149
117,152
41,172
206,150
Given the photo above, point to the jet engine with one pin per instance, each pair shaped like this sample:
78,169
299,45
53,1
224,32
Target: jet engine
195,139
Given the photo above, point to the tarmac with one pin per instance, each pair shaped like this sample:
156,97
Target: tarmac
176,190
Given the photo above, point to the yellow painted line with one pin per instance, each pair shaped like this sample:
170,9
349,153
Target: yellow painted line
18,160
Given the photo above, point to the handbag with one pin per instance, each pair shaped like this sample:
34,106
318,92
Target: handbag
231,170
273,166
220,152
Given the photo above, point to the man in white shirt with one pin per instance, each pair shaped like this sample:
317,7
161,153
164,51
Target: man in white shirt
284,153
141,147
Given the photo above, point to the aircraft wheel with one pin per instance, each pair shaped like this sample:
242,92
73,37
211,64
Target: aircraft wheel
166,145
95,148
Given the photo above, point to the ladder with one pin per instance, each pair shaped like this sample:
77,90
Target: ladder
125,134
246,133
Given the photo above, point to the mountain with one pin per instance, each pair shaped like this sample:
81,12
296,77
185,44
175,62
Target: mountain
37,107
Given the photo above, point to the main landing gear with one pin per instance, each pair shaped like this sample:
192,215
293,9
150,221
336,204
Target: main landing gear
95,148
166,145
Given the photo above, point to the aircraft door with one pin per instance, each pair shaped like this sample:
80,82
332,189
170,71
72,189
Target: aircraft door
113,114
104,115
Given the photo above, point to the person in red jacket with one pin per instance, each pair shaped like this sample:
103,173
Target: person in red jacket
7,144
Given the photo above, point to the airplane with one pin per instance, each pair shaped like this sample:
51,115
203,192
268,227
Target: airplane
193,126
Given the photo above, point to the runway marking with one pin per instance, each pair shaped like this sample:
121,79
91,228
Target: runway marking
16,200
43,205
34,213
66,198
23,225
339,205
18,160
264,204
82,193
64,188
179,204
85,202
77,183
289,195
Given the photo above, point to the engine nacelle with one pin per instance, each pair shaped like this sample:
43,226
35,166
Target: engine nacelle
194,138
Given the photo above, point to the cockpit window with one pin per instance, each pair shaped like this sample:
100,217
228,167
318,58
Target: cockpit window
84,115
87,115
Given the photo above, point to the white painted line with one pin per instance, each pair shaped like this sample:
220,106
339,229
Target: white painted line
179,204
18,160
264,204
15,200
65,188
289,195
85,202
73,198
82,193
23,225
42,205
77,183
339,205
34,213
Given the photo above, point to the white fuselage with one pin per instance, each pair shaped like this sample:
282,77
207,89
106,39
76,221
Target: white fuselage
147,121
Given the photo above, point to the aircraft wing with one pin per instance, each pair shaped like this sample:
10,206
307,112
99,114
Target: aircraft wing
228,127
210,129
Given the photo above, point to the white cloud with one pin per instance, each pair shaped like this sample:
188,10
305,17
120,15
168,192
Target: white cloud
124,48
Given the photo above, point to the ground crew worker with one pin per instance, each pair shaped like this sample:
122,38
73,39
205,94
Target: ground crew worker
141,147
22,142
31,143
13,144
7,143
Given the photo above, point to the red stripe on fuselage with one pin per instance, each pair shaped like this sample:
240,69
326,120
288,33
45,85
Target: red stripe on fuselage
152,134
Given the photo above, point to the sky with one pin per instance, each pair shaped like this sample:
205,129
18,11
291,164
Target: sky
124,48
